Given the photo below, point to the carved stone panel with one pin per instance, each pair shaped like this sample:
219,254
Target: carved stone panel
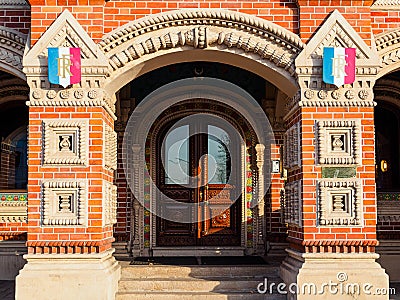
292,147
65,142
293,203
339,202
110,148
64,203
338,142
109,203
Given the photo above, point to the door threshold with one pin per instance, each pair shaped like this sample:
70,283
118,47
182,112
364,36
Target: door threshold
199,251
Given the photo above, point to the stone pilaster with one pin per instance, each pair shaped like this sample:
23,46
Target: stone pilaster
332,214
72,159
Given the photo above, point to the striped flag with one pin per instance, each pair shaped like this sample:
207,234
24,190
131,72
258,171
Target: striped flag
339,65
64,65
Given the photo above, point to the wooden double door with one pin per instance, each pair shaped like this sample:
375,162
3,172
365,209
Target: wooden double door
198,168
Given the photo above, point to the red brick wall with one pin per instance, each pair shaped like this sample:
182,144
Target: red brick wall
313,13
382,21
283,13
99,19
94,237
311,173
19,19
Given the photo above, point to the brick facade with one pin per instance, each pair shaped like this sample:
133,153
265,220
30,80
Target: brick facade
81,202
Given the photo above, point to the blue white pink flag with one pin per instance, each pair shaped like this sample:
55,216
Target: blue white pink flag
339,65
64,65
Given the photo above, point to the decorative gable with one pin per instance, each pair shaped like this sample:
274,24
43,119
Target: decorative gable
337,32
67,32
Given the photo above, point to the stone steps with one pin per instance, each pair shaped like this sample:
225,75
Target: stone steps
195,282
197,296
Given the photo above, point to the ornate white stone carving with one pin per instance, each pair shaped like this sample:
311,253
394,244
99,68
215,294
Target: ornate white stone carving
293,203
71,98
200,29
12,45
110,148
13,211
339,202
386,4
291,147
388,46
338,142
109,203
66,31
334,32
64,203
65,142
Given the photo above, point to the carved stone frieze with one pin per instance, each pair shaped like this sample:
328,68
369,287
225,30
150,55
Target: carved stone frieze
13,207
72,97
109,203
339,202
12,45
386,5
201,29
110,148
293,203
65,31
345,96
338,142
336,32
388,46
291,147
64,203
65,142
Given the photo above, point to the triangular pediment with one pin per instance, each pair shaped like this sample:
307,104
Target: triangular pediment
337,32
66,32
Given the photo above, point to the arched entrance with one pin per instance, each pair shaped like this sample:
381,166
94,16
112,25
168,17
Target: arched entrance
387,137
234,220
199,160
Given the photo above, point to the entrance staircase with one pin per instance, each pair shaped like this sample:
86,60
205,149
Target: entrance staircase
184,282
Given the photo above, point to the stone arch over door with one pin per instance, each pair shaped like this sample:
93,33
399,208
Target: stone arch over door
12,45
242,40
135,153
388,47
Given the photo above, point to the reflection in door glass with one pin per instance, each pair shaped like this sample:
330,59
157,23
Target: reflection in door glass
218,155
177,156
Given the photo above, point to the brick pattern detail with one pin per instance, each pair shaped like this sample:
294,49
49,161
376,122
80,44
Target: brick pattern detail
18,19
99,19
313,13
382,21
311,173
94,236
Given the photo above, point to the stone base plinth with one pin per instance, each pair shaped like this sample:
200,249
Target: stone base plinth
68,276
334,276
